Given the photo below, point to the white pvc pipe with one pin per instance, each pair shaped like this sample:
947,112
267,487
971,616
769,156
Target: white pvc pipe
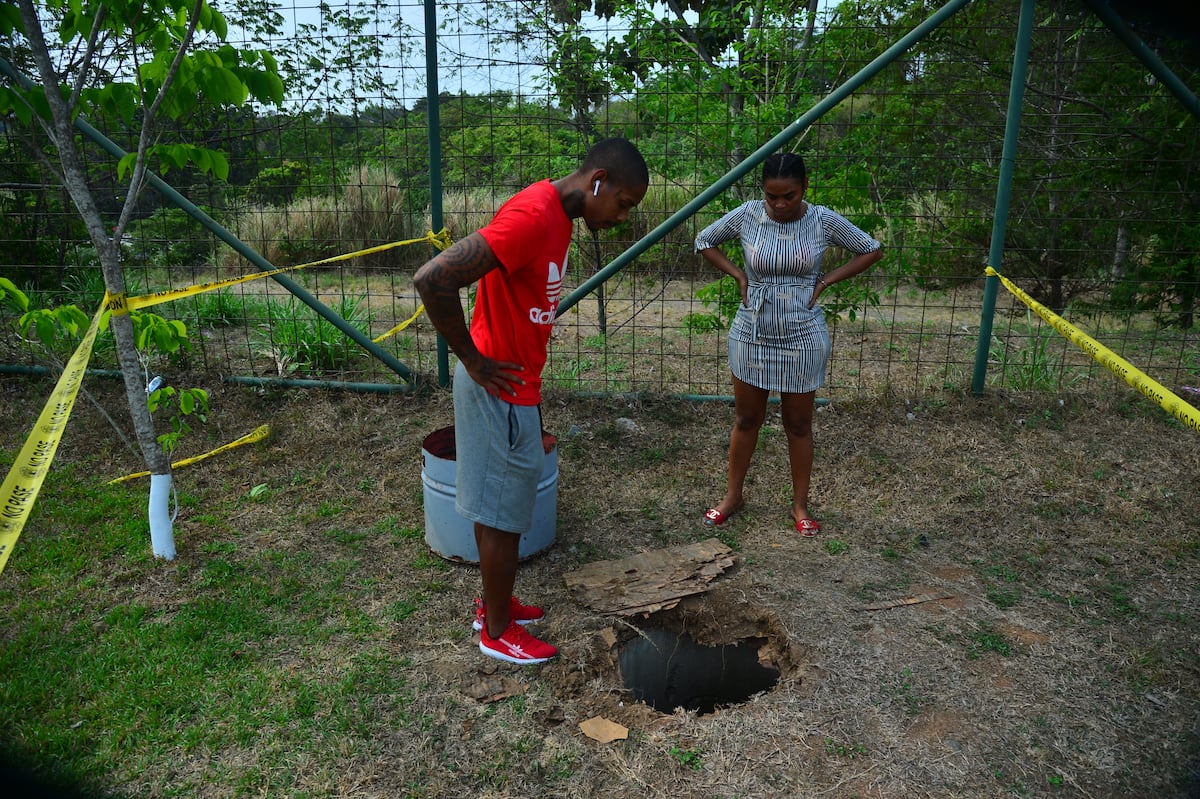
162,537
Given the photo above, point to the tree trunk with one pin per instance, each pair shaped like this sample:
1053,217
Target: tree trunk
61,128
1121,251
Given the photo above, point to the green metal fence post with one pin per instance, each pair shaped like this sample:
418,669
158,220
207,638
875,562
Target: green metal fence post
1012,127
435,157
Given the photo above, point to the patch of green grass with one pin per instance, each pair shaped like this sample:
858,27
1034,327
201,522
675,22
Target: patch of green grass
428,560
403,608
905,691
296,339
850,751
560,767
725,534
223,308
197,672
1004,597
1002,582
691,758
1051,511
568,372
835,546
985,640
329,508
1118,596
345,537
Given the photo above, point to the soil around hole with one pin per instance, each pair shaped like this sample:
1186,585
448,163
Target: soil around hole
719,620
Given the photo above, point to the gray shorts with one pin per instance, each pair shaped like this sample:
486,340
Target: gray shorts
499,457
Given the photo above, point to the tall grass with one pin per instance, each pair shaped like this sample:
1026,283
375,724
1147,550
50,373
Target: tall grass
298,340
223,308
1031,367
367,210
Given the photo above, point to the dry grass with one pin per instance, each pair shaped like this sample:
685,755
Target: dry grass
1062,662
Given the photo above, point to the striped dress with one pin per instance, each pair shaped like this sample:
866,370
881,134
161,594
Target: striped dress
778,343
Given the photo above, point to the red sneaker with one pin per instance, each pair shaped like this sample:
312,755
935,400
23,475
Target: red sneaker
521,614
515,646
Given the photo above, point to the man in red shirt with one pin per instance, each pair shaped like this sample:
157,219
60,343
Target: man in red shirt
519,260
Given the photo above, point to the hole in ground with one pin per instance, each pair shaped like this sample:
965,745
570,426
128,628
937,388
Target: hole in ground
718,618
669,670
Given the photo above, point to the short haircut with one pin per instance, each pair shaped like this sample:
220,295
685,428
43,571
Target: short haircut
622,160
784,165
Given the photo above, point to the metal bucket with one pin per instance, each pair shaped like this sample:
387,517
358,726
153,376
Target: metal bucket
452,536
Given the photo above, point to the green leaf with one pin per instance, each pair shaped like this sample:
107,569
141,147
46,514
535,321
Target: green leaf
16,297
164,340
222,85
10,19
217,24
142,337
266,87
46,329
120,99
126,164
220,164
72,318
159,397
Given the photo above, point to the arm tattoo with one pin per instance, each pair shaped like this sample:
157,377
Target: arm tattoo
440,280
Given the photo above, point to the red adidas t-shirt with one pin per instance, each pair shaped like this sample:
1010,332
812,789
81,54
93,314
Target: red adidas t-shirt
515,304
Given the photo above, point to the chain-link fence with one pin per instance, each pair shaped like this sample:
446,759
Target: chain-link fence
1103,224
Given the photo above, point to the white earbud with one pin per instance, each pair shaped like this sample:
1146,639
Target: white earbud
596,189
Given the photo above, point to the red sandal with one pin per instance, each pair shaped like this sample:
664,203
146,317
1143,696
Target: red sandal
808,528
714,517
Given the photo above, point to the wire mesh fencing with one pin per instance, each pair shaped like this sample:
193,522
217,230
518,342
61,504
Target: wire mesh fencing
1103,225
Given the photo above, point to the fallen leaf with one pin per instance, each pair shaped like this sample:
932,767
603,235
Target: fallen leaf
493,688
603,730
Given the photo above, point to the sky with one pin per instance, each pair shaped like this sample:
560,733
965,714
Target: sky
469,60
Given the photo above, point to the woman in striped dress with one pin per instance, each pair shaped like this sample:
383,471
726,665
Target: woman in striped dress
778,340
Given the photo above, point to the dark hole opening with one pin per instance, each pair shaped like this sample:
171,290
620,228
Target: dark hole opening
669,670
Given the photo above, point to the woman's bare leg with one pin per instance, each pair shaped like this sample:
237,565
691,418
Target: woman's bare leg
750,410
797,423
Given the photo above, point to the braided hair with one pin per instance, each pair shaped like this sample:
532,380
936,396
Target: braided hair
785,165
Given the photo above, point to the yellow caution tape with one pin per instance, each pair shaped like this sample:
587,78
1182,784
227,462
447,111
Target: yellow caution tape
441,240
400,326
258,435
168,295
28,472
116,304
1168,400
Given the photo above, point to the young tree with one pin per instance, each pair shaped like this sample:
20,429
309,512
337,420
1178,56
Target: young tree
142,61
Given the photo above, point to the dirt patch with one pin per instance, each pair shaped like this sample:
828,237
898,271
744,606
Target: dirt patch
1032,567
